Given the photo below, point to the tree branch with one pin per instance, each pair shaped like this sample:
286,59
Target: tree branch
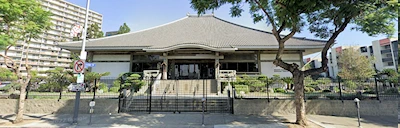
271,20
27,67
290,67
328,45
282,27
6,57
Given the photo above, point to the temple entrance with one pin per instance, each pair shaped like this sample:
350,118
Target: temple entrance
191,69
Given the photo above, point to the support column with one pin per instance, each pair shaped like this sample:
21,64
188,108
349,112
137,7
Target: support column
90,59
165,67
301,59
131,62
217,65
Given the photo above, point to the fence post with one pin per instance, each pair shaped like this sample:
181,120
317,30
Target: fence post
340,89
151,92
267,90
232,99
27,89
376,89
95,89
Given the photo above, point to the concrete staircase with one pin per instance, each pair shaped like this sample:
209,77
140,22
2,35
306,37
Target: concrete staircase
180,105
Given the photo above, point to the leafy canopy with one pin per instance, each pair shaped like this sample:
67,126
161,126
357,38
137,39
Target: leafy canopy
21,20
322,17
353,65
124,29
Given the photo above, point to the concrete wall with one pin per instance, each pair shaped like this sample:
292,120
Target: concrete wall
48,106
317,107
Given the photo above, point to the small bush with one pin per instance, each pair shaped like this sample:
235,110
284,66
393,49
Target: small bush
369,92
312,97
114,89
279,90
103,86
309,89
243,88
326,90
392,91
336,89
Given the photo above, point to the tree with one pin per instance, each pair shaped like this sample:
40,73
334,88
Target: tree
393,76
325,18
124,29
6,75
94,31
288,81
21,21
90,77
354,66
59,78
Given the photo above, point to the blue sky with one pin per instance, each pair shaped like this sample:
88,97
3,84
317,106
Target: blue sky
142,14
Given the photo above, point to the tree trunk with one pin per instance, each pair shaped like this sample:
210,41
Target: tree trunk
20,112
298,78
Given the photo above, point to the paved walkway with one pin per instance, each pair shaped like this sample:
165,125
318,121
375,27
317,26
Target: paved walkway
194,120
347,122
160,120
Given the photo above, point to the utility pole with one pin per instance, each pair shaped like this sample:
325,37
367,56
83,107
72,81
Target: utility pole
83,58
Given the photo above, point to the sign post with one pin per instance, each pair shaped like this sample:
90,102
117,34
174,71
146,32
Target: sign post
91,105
79,65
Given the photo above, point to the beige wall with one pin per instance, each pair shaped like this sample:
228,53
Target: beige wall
48,106
318,107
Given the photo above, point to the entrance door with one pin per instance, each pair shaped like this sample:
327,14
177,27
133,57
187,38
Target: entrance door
193,71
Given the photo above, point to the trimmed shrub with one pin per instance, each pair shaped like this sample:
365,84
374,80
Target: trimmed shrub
114,89
279,90
326,90
309,89
392,91
243,88
369,92
103,86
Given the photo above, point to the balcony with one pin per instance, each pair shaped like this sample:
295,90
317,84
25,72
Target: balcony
389,59
386,51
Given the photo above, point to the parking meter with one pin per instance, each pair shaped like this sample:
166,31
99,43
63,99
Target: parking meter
357,102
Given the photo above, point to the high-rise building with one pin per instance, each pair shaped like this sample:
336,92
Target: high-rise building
43,52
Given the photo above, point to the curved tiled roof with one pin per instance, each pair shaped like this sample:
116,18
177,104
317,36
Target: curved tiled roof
205,30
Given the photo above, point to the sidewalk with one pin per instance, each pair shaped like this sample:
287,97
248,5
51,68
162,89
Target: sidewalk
347,122
160,120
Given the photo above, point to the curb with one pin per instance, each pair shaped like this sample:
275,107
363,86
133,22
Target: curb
320,124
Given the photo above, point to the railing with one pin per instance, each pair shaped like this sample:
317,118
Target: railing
227,75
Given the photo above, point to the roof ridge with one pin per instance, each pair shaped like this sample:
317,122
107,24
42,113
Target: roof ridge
300,38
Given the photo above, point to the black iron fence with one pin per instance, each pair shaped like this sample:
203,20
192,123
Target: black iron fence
322,88
175,96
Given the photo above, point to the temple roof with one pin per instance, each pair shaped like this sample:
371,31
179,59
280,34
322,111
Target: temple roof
205,31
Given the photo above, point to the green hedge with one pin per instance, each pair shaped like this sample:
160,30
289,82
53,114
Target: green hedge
279,90
243,88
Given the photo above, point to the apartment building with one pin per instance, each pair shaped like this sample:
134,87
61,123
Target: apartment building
384,51
315,63
43,52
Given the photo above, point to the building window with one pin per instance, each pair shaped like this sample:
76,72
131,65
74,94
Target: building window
240,67
363,49
390,63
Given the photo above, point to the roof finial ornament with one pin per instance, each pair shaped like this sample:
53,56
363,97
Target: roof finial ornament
187,14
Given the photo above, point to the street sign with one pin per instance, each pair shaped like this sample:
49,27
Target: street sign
87,65
79,66
80,78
